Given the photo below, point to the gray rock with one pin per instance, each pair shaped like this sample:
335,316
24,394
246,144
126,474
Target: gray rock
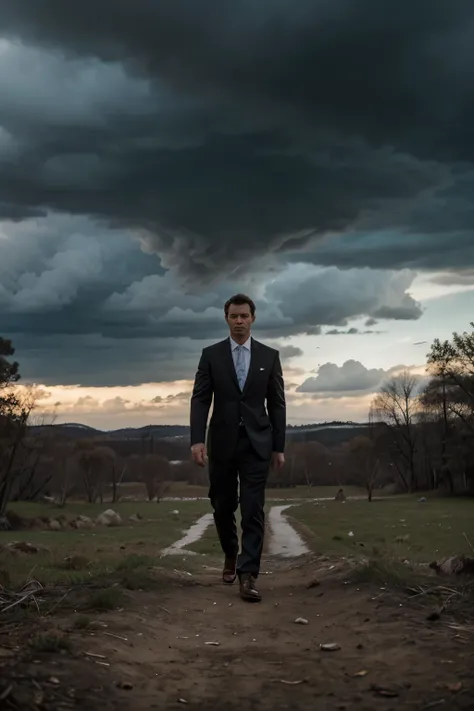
109,518
83,522
340,496
26,547
455,565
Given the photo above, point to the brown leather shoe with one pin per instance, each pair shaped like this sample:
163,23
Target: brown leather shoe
248,589
229,573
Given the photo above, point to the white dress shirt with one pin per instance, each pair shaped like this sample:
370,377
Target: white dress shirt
246,351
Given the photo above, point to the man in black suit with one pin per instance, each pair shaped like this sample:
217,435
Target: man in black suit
245,438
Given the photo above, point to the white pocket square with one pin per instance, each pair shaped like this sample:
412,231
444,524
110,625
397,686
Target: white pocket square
262,368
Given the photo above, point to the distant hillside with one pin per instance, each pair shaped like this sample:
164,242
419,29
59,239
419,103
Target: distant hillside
78,431
328,433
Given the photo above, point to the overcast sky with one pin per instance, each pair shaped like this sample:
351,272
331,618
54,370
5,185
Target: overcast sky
156,157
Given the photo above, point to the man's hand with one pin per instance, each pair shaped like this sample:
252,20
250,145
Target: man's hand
278,460
199,454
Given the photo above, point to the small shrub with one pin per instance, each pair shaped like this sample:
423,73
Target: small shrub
138,580
51,644
134,561
83,622
105,600
382,572
74,562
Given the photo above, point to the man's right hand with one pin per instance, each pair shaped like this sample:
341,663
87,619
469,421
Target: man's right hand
199,454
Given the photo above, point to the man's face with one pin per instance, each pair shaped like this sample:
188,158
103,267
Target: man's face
240,320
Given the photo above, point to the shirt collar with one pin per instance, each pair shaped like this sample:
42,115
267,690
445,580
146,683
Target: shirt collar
246,345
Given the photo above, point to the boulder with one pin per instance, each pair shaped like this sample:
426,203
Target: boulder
455,565
26,547
82,522
109,518
75,562
16,522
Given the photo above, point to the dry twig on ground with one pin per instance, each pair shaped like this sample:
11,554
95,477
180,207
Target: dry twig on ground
10,599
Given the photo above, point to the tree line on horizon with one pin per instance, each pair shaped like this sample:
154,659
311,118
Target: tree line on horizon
420,437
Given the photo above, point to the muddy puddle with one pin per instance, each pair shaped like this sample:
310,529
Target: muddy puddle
193,534
284,540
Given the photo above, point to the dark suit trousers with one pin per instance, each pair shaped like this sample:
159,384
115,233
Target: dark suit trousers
251,471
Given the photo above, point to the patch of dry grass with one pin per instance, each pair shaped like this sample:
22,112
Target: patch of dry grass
399,528
51,644
434,594
71,556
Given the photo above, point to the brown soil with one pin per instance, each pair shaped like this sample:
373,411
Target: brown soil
264,660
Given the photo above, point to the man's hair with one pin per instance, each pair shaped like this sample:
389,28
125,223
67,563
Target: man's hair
239,300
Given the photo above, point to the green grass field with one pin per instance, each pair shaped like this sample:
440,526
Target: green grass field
311,492
102,549
209,543
398,527
184,490
392,528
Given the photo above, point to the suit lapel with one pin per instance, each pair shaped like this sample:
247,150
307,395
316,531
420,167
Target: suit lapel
230,362
254,348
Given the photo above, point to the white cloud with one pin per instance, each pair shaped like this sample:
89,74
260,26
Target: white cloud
78,262
331,296
351,377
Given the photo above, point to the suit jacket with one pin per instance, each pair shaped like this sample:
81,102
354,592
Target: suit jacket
216,378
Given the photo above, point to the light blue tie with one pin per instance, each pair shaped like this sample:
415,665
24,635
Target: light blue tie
240,367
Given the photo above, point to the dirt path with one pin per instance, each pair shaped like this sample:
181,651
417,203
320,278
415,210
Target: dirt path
196,644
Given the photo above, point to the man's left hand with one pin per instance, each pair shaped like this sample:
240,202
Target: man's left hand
278,460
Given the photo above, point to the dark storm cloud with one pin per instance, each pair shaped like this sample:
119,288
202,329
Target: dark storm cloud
453,277
352,377
156,157
382,70
94,361
350,332
84,304
225,129
97,361
391,250
71,276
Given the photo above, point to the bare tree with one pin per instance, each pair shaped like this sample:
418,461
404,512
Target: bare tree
451,395
314,458
397,404
95,463
363,456
34,465
452,364
154,472
439,428
66,468
115,482
16,406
